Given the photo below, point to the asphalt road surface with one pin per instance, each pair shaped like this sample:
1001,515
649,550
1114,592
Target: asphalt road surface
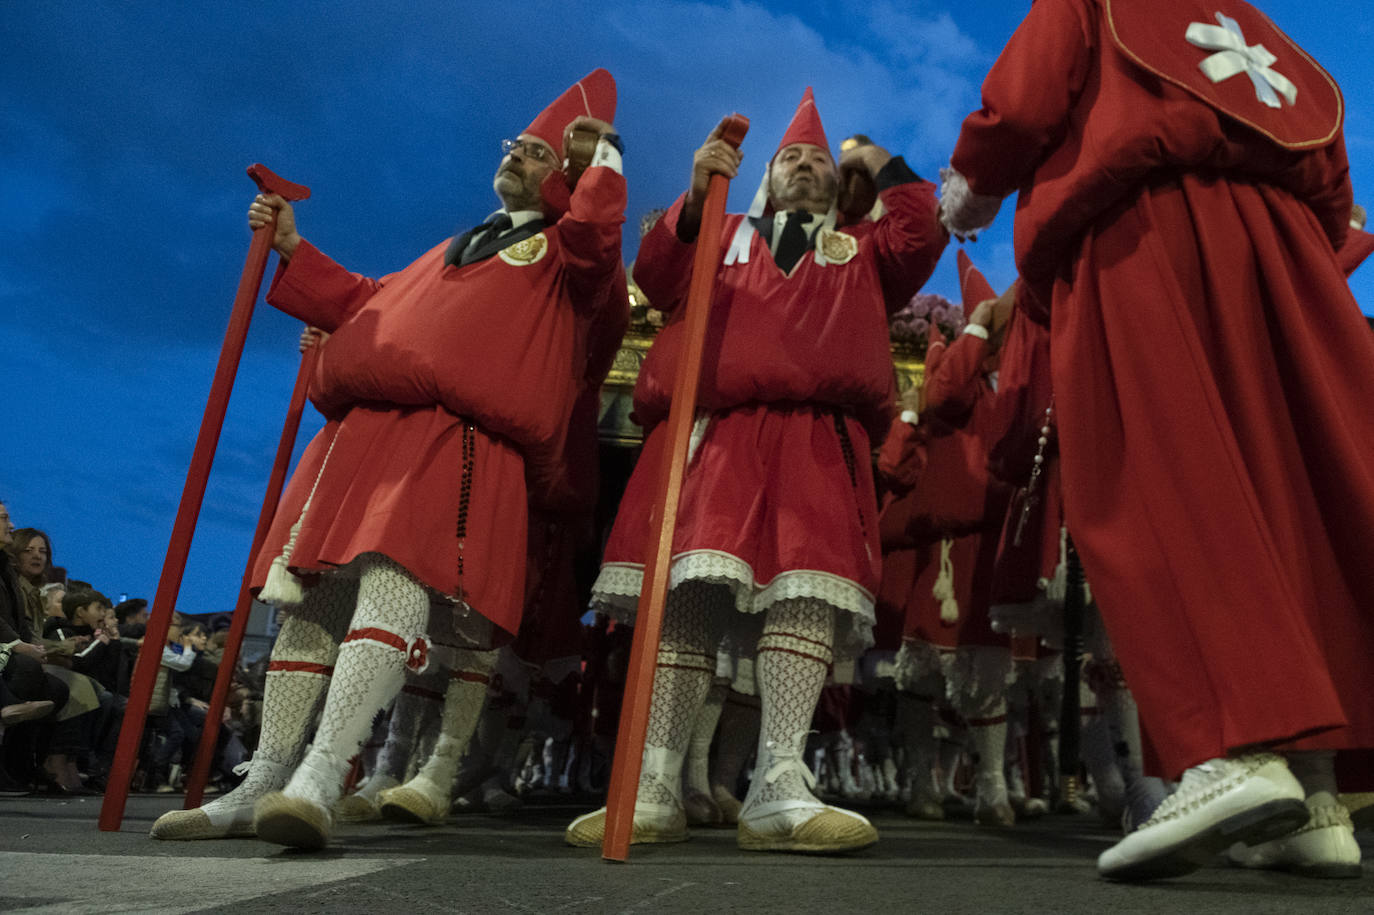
54,859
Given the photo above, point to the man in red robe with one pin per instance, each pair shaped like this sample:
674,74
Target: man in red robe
777,521
447,388
956,512
1183,188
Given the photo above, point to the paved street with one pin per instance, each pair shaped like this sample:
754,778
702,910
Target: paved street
53,859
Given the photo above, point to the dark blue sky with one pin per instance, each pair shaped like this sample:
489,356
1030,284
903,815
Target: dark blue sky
125,129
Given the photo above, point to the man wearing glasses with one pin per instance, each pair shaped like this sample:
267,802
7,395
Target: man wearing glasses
448,389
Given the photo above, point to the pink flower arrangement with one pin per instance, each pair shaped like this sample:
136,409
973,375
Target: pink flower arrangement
910,325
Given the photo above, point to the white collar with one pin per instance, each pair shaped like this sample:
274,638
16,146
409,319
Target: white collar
519,217
738,252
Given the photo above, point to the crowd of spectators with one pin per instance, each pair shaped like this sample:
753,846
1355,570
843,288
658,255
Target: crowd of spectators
67,656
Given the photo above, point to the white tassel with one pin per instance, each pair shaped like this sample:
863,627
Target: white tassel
1057,588
944,585
283,588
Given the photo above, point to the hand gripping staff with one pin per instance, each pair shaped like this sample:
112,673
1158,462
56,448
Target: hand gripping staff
639,679
145,671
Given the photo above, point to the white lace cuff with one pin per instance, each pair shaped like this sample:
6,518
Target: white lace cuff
616,591
962,211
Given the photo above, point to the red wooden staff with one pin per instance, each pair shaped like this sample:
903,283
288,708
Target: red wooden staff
639,679
209,735
168,586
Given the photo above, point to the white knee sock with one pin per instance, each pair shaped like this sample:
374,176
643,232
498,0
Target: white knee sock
686,664
794,654
463,701
298,674
392,610
698,772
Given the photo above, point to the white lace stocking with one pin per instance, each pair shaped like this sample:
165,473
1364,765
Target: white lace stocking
463,701
392,610
698,772
685,666
795,652
297,676
300,668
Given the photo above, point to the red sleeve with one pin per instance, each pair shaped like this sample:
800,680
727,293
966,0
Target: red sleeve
663,269
908,239
1027,97
1023,393
951,391
314,288
902,457
589,236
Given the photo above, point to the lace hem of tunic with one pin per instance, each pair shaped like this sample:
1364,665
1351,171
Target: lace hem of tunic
975,677
617,589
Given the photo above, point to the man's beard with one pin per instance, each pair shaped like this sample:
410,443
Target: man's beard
820,192
515,190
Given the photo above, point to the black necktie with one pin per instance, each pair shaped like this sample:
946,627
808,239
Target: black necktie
793,243
464,249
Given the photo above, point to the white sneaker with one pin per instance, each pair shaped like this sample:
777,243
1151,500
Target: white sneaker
1248,799
1325,847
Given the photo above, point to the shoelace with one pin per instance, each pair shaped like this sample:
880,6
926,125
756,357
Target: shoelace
784,760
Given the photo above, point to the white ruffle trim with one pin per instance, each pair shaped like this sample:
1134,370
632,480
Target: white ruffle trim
617,589
918,669
962,211
976,678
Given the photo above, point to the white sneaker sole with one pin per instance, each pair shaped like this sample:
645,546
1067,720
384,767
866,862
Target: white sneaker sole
1132,859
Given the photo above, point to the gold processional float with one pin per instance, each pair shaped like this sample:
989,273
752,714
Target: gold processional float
614,424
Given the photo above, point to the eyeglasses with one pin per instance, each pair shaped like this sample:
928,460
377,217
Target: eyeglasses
536,151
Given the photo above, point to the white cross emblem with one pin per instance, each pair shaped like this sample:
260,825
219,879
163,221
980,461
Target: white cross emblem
1235,56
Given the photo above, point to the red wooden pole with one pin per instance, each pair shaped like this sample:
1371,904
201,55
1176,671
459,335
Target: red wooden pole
639,678
179,547
205,751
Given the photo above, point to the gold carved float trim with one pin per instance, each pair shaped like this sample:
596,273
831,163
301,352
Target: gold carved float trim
615,426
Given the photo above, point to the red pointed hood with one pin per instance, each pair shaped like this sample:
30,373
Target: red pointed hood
593,95
972,285
935,349
806,125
